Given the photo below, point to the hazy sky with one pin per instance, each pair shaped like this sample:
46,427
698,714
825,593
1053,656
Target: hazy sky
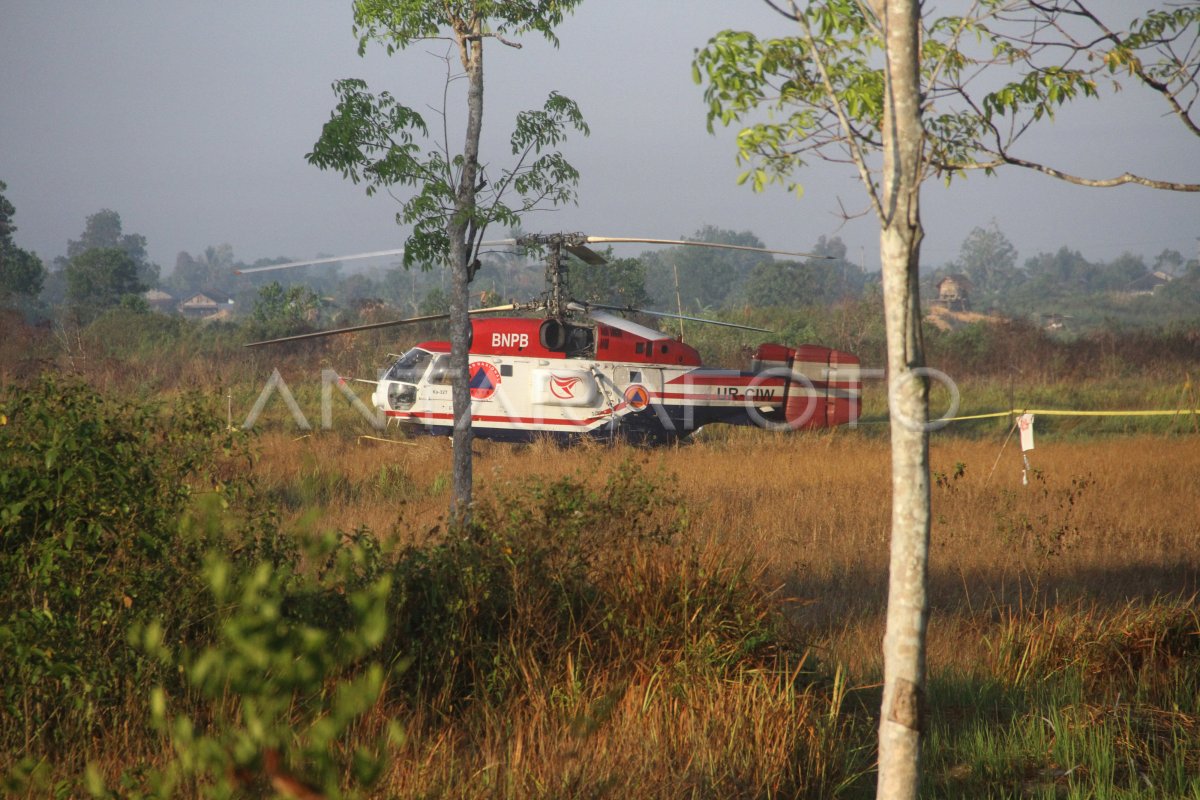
191,119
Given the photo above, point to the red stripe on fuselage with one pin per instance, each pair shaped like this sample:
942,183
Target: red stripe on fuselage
697,378
432,416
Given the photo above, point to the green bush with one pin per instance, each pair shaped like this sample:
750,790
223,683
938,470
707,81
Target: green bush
277,700
92,493
128,333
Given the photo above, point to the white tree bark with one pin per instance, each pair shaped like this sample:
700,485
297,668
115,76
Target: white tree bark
900,240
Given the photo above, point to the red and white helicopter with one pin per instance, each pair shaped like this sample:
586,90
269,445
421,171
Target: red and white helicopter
579,371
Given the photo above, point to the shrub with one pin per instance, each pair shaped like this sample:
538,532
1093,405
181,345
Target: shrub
556,571
128,333
278,698
91,496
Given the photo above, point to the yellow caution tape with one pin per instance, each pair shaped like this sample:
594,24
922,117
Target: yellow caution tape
1053,412
976,416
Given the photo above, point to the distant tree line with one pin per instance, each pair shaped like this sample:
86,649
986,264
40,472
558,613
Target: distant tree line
1125,290
107,268
21,272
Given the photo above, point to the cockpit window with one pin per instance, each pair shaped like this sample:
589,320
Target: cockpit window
410,367
441,374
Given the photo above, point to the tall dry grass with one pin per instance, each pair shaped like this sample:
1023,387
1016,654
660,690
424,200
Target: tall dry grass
1085,573
1104,526
1103,530
1107,519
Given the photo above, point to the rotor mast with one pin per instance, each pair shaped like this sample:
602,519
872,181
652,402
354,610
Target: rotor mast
556,277
558,299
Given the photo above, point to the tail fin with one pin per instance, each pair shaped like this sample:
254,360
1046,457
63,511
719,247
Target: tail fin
822,387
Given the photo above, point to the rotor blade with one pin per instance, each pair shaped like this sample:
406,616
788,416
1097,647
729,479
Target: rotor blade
633,239
585,254
375,325
291,264
353,257
632,310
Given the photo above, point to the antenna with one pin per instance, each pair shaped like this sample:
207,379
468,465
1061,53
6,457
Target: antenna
678,299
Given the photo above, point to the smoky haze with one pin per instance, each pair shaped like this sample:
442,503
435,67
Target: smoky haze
192,119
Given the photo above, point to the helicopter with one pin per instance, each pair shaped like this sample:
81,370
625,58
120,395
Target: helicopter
577,370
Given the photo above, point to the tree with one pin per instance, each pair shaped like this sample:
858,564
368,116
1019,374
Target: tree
1061,272
374,139
283,312
873,85
1169,261
21,272
795,284
703,277
1042,54
213,269
1119,274
620,282
852,107
100,279
815,281
434,302
103,230
988,258
1061,50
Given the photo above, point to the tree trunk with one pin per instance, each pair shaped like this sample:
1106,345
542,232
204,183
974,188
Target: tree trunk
900,240
460,225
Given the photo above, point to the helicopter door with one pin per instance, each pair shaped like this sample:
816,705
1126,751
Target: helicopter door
639,385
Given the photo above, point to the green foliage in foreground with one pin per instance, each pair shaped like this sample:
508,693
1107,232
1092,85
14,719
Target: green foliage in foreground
92,496
147,596
277,692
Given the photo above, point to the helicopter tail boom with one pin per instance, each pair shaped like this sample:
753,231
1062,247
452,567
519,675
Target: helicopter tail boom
822,387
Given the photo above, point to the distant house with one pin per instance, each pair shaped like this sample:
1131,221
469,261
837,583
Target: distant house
1146,284
954,293
1055,322
369,305
206,304
159,301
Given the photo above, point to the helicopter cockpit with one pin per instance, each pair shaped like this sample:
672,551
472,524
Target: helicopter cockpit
410,367
402,377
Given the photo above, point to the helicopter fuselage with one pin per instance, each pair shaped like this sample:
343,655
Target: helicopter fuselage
534,378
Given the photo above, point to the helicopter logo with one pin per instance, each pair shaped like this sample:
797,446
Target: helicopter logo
563,388
636,397
484,380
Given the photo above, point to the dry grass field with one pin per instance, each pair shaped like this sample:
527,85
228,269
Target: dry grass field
739,659
1091,567
1101,521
